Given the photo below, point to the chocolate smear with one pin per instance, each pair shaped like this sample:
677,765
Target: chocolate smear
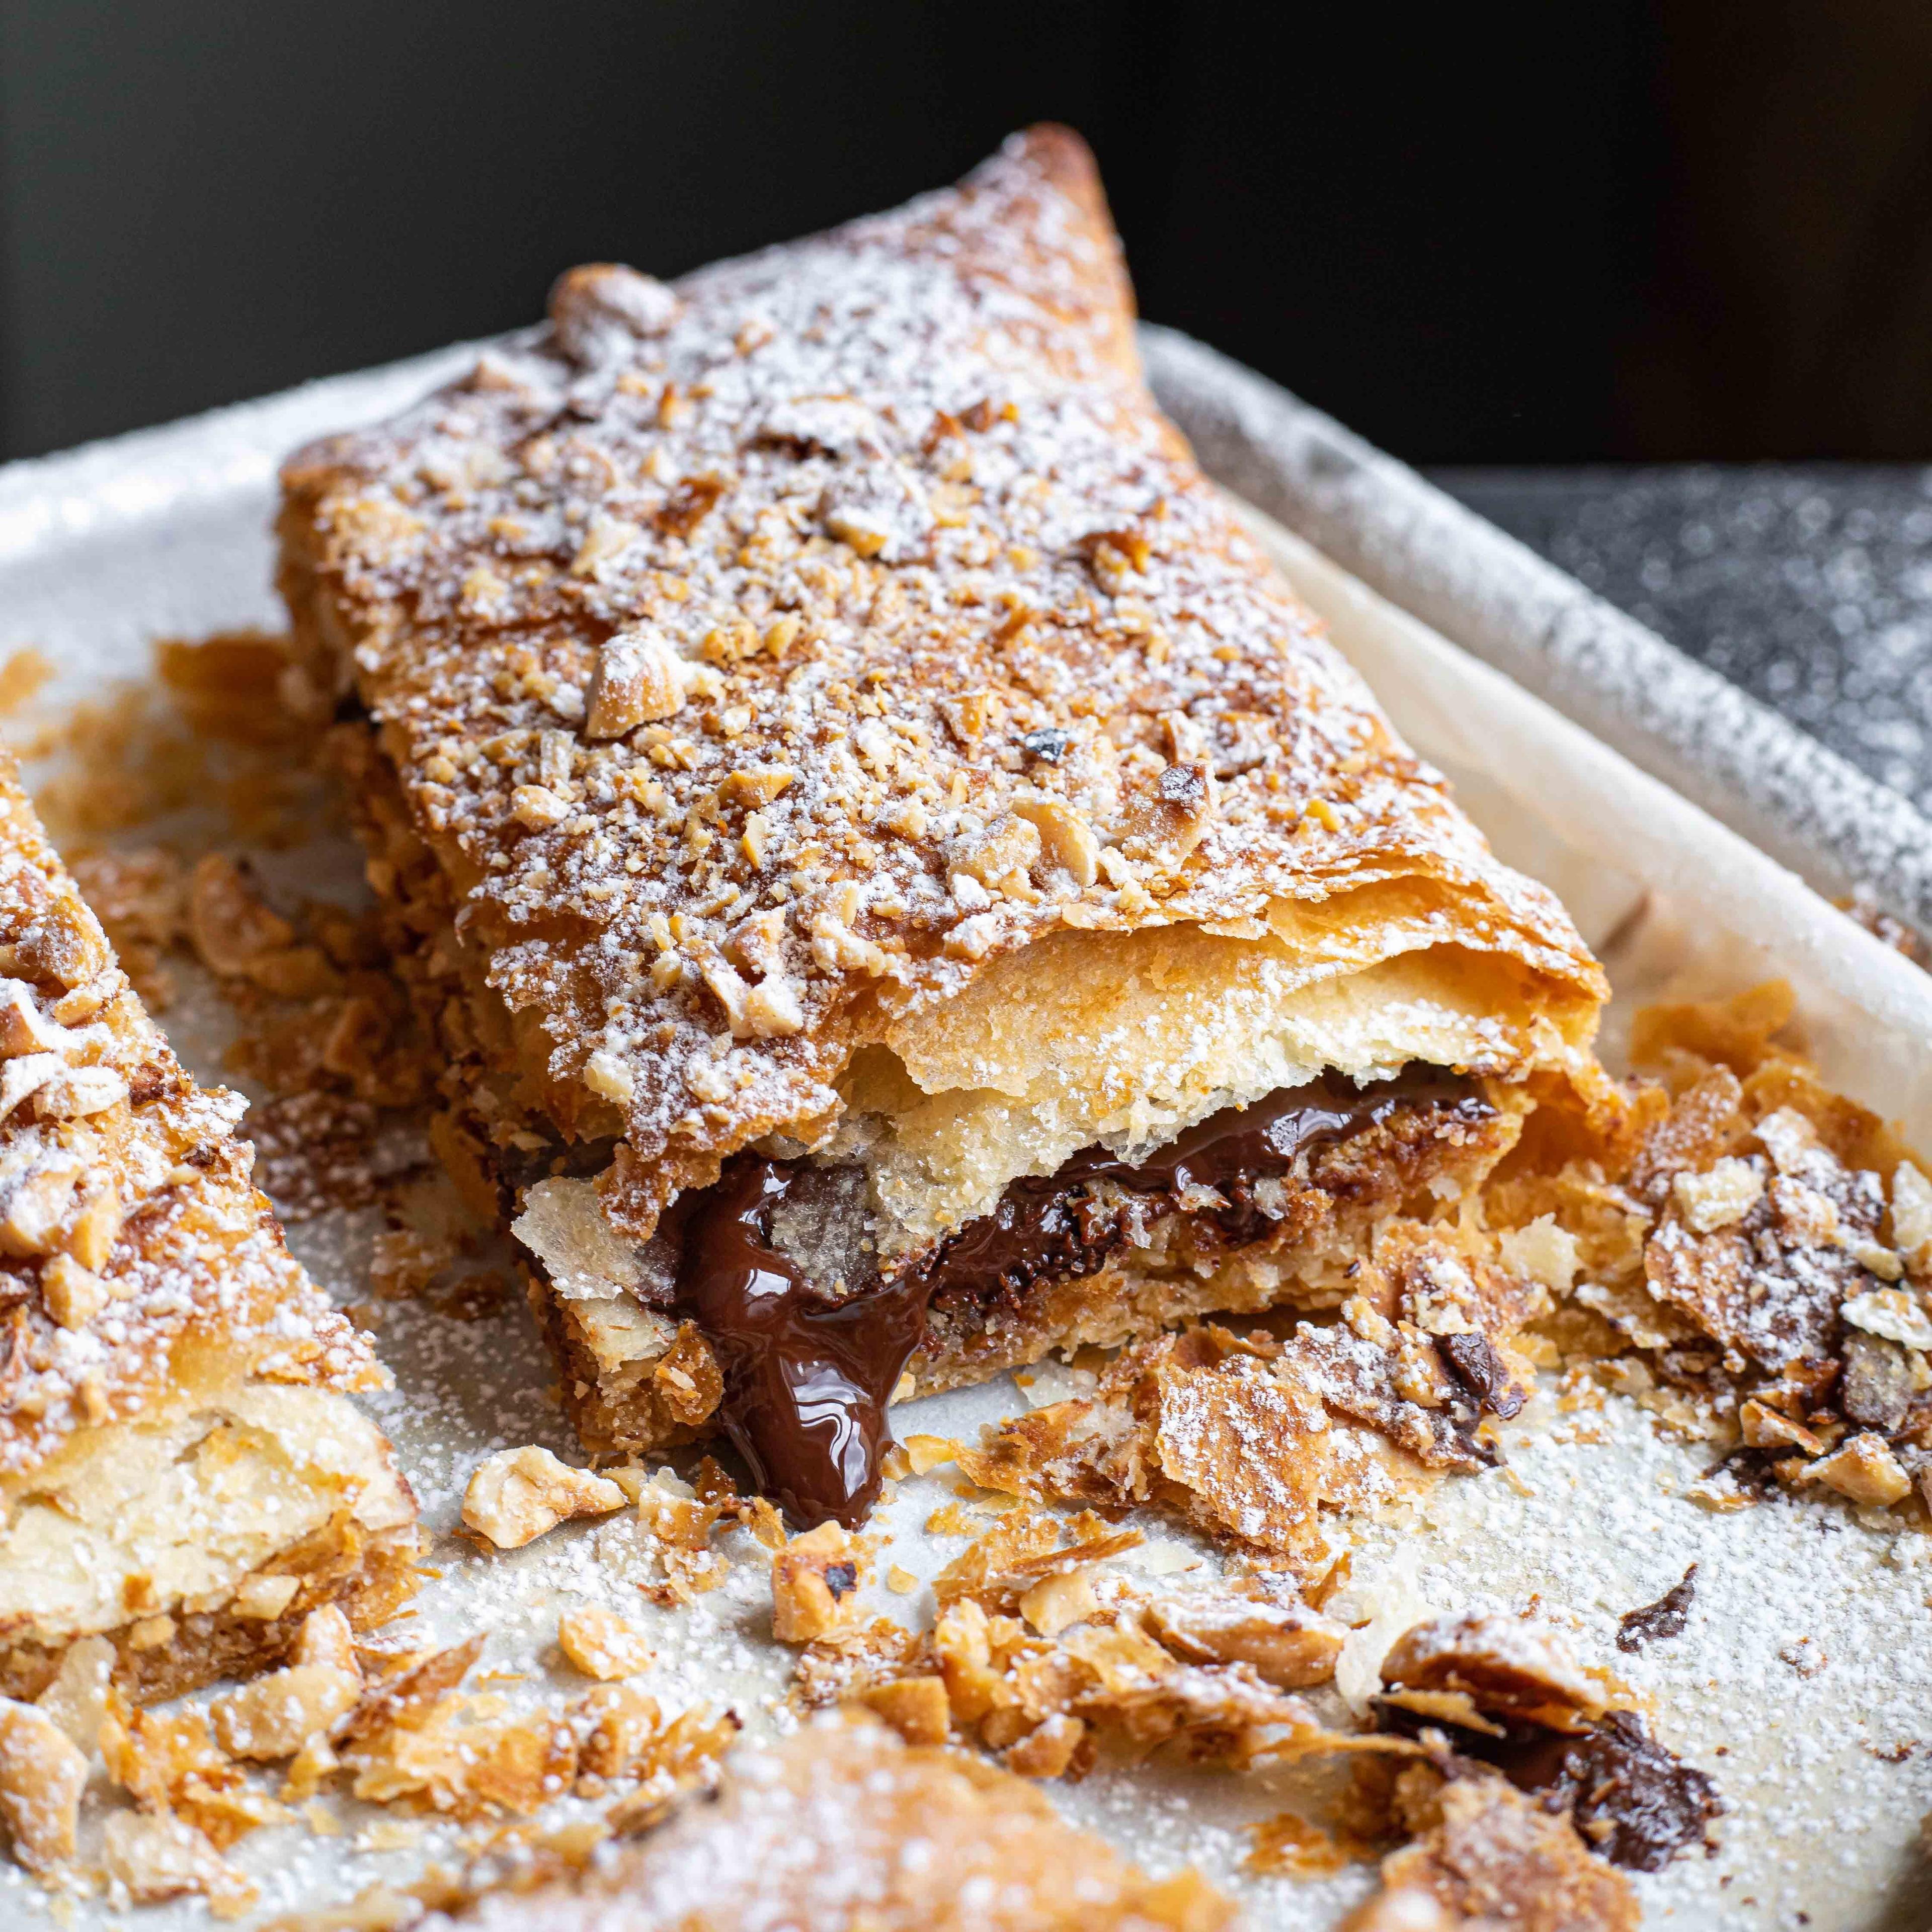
1631,1800
809,1367
1660,1621
806,1378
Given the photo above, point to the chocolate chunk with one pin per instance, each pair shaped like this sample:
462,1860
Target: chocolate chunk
1631,1801
840,1577
1635,1803
1048,745
1660,1621
1473,1363
1876,1390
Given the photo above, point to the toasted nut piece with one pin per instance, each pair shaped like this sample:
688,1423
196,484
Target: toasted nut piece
1047,1750
916,1707
326,1637
772,1010
275,1715
43,1773
97,1226
158,1858
1726,1193
77,1699
756,785
1863,1469
1503,1664
24,1028
1007,846
73,1295
835,947
598,307
1067,839
516,1495
639,679
812,1578
600,1644
1289,1645
36,1206
538,807
605,1073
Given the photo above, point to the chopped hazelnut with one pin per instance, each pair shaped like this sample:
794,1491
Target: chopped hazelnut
538,807
916,1707
639,679
1863,1469
1716,1199
600,1644
812,1578
73,1295
517,1495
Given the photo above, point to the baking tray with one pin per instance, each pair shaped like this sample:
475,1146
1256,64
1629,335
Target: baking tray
1682,822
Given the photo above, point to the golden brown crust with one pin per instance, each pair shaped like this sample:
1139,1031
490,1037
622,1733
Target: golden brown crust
760,659
129,1229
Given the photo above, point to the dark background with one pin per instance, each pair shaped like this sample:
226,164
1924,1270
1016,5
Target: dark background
1593,230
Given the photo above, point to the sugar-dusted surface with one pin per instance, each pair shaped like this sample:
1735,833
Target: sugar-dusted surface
929,637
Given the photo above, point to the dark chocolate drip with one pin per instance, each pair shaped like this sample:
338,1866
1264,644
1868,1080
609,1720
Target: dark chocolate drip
1053,1227
1660,1621
1632,1800
807,1376
806,1380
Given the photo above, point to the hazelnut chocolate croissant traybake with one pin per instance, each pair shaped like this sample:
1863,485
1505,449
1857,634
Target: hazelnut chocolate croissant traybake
900,884
182,1477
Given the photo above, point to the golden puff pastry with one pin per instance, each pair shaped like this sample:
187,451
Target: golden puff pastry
900,882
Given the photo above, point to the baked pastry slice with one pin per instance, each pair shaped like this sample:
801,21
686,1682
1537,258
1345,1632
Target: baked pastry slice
899,878
180,1473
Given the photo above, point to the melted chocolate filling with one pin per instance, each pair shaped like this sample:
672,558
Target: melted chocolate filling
1055,1227
807,1377
1632,1800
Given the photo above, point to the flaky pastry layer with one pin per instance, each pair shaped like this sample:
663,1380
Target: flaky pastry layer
766,664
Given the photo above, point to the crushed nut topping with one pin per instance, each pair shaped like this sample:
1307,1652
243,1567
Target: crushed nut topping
518,1494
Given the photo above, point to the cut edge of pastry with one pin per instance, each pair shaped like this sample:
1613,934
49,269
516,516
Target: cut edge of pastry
182,1472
